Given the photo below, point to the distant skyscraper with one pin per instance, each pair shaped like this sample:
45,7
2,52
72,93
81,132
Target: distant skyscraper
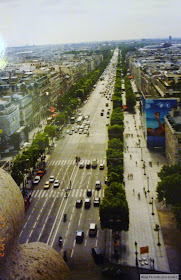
170,39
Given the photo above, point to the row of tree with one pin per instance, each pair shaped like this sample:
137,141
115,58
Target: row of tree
79,92
28,158
169,189
130,95
114,212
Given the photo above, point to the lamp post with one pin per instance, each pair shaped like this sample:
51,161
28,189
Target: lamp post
157,228
136,253
148,190
152,207
144,166
141,155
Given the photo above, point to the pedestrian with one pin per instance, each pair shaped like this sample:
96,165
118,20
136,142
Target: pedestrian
150,261
138,195
153,261
143,188
128,176
133,191
158,163
145,194
136,163
130,156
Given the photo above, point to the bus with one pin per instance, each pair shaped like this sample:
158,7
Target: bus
72,120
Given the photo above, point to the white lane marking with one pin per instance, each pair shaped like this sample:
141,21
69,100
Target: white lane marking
85,243
72,253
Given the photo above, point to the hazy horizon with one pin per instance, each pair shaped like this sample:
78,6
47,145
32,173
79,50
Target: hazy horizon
44,22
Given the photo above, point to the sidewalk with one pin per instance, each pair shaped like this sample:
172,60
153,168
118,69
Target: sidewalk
143,215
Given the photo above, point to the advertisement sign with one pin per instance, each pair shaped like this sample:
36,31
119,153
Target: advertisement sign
144,250
153,113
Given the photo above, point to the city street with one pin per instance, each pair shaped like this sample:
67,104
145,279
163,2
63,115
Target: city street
44,217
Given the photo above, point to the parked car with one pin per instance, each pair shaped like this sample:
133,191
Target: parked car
98,185
87,203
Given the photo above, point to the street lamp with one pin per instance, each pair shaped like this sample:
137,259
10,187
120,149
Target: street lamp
152,207
157,228
136,253
148,184
144,166
141,155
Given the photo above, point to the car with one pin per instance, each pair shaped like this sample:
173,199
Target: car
85,131
79,236
36,180
92,230
56,184
98,185
96,201
47,185
88,165
101,166
102,113
76,130
105,180
94,163
81,165
70,133
80,131
67,131
73,129
97,255
78,203
87,203
51,179
89,192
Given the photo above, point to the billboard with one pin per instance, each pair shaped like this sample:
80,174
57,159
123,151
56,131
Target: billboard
153,113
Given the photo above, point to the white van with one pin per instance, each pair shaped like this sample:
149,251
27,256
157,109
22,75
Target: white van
93,230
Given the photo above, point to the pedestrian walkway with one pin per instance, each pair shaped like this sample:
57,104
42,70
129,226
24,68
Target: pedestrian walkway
69,162
141,168
76,193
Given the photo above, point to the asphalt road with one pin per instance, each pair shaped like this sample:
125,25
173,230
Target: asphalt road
44,217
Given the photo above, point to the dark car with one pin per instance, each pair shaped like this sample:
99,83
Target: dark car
79,236
89,192
97,255
78,203
88,165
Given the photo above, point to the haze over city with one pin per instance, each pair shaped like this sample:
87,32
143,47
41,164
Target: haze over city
61,21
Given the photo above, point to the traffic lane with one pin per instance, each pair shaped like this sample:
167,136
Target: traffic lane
37,220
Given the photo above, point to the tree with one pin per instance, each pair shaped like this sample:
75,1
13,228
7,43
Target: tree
116,144
115,131
113,177
50,130
114,213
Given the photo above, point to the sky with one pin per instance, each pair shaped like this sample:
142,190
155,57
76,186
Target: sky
28,22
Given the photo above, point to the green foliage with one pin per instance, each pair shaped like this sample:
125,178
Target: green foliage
117,117
115,131
169,188
116,144
50,130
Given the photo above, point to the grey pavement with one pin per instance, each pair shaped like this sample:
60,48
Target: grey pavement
143,215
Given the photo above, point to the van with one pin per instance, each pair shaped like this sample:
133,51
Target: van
93,230
98,185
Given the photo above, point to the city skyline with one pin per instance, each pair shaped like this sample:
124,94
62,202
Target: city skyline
60,21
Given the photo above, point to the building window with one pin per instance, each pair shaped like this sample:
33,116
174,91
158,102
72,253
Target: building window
179,140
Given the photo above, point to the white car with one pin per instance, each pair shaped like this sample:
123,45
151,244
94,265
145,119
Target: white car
51,179
47,185
37,180
56,184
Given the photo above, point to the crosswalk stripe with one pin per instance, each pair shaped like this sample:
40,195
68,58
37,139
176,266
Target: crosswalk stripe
73,193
